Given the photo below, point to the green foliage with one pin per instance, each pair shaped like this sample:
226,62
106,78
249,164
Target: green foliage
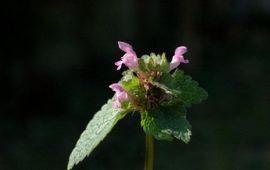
129,81
191,93
97,129
161,98
164,124
154,63
187,90
167,119
132,85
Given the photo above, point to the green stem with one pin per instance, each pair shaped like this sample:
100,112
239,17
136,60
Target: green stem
149,152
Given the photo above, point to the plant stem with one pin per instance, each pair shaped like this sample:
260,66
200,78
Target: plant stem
149,152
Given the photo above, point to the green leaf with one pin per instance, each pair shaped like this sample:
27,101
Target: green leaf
154,63
150,126
186,89
164,124
164,63
167,118
191,93
96,130
129,81
165,88
132,85
143,63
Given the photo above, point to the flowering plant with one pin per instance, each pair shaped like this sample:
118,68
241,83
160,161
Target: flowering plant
157,90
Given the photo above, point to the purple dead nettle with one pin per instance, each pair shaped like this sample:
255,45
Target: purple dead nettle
120,95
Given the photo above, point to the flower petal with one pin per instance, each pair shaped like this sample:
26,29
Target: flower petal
130,60
180,50
116,104
125,46
119,64
122,96
178,57
116,87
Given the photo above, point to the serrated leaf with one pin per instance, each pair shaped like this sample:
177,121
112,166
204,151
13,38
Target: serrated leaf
165,88
167,119
150,126
96,130
164,124
191,92
186,89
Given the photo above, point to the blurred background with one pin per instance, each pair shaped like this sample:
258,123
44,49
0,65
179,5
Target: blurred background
57,60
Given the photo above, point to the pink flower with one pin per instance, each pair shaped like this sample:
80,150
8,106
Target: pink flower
120,94
178,57
129,59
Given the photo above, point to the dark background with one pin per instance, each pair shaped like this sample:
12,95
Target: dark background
57,60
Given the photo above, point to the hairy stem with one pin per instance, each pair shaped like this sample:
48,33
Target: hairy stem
149,152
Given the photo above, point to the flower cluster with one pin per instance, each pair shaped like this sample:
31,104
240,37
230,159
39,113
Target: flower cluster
131,60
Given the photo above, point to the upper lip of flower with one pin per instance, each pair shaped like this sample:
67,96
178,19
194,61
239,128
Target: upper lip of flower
116,87
125,46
